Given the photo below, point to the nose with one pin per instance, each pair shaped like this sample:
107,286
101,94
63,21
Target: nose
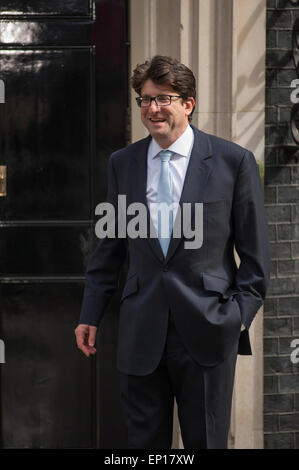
153,106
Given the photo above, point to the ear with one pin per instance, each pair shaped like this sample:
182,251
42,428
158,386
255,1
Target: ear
189,105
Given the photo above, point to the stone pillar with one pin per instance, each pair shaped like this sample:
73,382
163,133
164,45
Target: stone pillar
248,120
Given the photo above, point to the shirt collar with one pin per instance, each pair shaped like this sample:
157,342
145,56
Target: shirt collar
182,146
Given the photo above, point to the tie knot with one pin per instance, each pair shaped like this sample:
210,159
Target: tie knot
165,155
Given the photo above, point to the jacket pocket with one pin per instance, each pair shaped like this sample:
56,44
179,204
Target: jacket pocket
131,287
215,205
217,284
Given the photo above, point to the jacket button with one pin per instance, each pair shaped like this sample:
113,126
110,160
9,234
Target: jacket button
166,268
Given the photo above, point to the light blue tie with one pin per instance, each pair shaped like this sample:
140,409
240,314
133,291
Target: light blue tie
165,196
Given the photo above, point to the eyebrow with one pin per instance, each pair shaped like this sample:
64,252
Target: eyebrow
160,94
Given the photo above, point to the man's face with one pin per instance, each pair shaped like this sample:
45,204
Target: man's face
165,123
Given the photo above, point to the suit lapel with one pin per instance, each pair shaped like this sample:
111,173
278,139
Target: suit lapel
138,172
196,178
138,184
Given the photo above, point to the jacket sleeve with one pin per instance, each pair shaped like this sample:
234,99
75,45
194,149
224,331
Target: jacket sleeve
104,267
251,240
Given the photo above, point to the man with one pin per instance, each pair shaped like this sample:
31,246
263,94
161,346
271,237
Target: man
183,307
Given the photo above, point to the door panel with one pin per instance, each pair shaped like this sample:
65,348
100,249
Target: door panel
46,32
44,7
43,401
34,250
46,133
64,68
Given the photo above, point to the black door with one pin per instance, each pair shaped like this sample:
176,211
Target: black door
63,67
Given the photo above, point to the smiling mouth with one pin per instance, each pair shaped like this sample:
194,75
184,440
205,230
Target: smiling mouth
157,119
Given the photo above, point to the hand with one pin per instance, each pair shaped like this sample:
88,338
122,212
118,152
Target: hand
243,327
86,336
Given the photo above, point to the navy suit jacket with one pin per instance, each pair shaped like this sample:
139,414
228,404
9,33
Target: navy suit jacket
207,294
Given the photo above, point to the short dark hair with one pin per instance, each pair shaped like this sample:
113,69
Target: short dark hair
164,70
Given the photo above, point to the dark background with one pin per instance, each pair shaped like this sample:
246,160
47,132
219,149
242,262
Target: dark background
281,311
64,65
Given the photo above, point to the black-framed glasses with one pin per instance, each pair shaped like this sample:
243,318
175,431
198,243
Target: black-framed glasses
160,100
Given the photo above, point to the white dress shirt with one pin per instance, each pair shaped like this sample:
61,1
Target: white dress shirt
178,164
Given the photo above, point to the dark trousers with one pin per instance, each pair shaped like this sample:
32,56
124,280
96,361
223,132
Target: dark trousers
203,396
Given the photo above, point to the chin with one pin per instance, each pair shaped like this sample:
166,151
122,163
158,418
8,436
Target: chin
157,134
161,131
